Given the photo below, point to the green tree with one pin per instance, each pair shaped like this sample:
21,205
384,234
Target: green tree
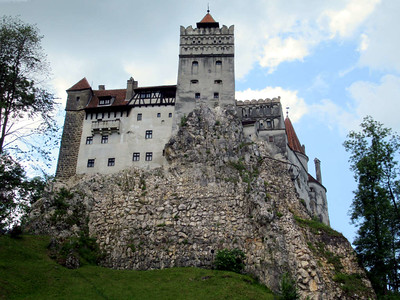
17,192
375,207
26,108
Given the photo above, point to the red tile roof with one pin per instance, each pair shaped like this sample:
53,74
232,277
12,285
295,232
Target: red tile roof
312,179
83,84
208,19
293,141
119,95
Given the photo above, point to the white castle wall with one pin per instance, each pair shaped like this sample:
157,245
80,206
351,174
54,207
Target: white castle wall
131,138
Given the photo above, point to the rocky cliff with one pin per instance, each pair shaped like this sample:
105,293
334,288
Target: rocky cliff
218,191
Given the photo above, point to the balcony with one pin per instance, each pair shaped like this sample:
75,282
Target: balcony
106,127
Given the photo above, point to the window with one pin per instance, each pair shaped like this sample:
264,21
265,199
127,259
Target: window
89,140
217,81
158,115
139,117
216,95
149,156
218,62
170,115
78,98
105,100
149,134
269,124
271,139
90,163
194,81
136,156
111,162
197,95
104,139
195,64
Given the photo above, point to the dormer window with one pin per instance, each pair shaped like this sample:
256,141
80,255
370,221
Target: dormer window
106,100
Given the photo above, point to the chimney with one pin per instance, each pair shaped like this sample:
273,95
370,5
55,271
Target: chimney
102,87
131,84
317,163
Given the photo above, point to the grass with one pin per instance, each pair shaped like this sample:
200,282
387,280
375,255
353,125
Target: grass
317,226
26,272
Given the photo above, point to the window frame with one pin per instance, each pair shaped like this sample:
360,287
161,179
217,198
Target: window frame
139,117
89,140
149,156
111,162
136,156
104,139
90,163
148,135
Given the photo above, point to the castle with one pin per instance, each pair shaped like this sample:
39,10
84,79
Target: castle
106,131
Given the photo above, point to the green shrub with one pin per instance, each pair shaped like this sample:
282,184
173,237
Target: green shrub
230,260
288,289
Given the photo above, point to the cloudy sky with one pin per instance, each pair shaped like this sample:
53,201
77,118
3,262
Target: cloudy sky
332,62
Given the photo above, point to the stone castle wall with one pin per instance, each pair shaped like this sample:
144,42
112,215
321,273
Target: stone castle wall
70,142
218,191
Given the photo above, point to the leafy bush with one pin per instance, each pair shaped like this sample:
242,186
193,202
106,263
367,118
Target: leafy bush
288,290
230,260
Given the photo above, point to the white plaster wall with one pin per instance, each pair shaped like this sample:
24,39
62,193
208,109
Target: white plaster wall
130,139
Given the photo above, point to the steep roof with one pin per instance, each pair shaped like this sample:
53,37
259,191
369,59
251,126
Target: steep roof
83,84
118,94
207,21
293,140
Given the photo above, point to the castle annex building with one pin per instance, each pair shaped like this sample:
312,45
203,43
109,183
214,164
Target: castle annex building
106,131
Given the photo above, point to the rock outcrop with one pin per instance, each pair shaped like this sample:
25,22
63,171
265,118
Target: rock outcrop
219,191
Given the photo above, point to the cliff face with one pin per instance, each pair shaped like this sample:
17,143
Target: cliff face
217,192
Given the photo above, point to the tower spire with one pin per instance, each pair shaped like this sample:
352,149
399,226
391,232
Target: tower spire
208,7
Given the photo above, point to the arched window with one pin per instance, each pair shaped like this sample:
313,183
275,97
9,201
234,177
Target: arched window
218,63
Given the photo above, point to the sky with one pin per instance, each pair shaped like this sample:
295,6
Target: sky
332,62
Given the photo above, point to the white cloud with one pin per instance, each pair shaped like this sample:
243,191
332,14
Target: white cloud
334,116
345,21
279,50
381,100
297,105
383,38
364,42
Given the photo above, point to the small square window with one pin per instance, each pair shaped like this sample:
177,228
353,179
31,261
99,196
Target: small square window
136,156
149,156
104,139
158,115
216,95
111,162
90,163
149,134
197,95
271,139
89,140
170,115
218,81
139,117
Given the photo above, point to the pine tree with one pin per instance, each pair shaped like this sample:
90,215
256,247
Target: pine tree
375,207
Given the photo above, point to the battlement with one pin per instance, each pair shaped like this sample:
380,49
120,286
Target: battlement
259,101
207,31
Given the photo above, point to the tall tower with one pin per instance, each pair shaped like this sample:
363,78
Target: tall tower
79,96
206,67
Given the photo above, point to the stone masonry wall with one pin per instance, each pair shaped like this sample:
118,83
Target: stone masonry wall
70,142
218,191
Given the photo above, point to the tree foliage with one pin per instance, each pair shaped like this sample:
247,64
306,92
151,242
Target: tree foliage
26,107
17,192
375,207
